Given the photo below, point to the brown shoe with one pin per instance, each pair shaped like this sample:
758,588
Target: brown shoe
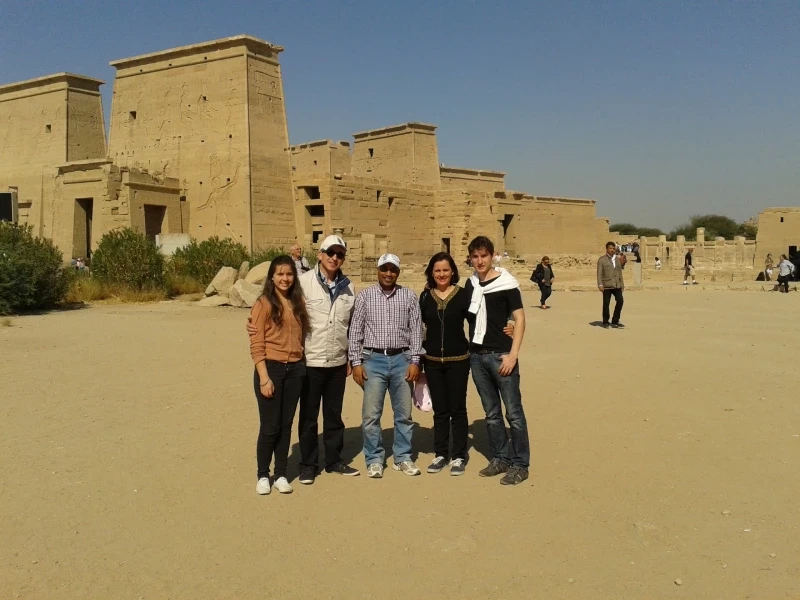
515,476
496,467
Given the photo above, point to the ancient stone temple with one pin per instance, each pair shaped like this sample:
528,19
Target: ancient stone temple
198,144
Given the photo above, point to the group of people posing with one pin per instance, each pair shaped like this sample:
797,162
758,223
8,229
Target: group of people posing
309,332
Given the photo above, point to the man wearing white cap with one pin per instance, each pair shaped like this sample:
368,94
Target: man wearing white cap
385,351
329,299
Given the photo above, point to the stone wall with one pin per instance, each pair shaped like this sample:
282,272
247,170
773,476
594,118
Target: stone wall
404,153
738,252
321,157
778,231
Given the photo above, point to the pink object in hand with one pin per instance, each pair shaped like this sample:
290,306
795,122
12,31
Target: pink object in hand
422,394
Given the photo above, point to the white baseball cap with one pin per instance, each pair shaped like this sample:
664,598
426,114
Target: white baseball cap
388,259
332,240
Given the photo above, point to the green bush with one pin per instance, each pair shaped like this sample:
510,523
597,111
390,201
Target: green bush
124,257
202,261
32,272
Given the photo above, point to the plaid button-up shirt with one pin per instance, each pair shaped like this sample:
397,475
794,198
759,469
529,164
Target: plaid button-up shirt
386,321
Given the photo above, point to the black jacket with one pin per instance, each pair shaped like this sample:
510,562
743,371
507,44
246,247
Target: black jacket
538,274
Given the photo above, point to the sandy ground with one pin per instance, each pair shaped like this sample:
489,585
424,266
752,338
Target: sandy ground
666,451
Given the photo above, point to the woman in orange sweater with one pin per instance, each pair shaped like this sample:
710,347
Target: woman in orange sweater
281,323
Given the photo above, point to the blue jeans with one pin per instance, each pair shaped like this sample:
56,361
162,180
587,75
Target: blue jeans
492,387
386,373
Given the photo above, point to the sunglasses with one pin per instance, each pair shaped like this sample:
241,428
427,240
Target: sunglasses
388,267
331,253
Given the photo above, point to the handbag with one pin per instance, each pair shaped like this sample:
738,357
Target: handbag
422,394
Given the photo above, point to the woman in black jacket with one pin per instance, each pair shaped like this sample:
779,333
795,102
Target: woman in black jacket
543,276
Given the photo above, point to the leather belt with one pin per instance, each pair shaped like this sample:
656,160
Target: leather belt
387,351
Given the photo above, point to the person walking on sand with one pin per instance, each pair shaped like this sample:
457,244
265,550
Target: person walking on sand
688,268
281,322
610,282
543,276
785,271
385,351
494,296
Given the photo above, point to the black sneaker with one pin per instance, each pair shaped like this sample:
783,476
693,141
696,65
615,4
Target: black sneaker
618,326
515,476
307,475
493,468
343,469
457,466
605,325
439,463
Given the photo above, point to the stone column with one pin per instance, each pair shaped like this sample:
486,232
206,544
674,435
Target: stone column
739,241
700,248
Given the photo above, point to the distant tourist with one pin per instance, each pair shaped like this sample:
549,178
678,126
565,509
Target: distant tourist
385,351
495,296
611,283
444,307
300,261
768,266
785,271
497,258
543,277
281,323
688,268
658,264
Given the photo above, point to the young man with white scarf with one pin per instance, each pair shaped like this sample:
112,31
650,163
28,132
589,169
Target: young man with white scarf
493,360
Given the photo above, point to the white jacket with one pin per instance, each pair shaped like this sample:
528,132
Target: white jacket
326,342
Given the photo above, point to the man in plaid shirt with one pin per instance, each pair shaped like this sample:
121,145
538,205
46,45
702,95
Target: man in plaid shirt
385,350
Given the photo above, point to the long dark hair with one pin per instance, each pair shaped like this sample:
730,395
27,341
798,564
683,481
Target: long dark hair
295,296
439,256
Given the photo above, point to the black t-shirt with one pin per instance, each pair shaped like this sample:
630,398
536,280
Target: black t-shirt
451,335
499,306
688,259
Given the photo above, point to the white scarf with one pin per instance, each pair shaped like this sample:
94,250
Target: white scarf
506,281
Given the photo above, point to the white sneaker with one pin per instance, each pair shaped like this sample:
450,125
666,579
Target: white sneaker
375,471
262,487
685,283
407,467
282,485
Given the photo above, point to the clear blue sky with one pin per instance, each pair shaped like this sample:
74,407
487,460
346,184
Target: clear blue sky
658,110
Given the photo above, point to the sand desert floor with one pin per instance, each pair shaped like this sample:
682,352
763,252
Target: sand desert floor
666,451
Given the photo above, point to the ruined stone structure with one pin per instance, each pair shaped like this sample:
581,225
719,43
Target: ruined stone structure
778,233
198,144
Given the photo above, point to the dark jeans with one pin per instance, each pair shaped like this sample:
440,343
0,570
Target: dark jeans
546,291
783,280
618,302
324,385
448,385
492,387
277,413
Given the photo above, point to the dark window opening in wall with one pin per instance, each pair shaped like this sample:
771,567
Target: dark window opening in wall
391,201
378,195
154,220
667,252
315,235
48,128
792,251
315,163
506,223
781,219
82,228
446,245
315,210
312,192
204,99
182,198
6,207
371,151
132,115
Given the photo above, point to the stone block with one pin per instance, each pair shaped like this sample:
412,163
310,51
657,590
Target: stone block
222,281
244,269
213,301
243,294
258,274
